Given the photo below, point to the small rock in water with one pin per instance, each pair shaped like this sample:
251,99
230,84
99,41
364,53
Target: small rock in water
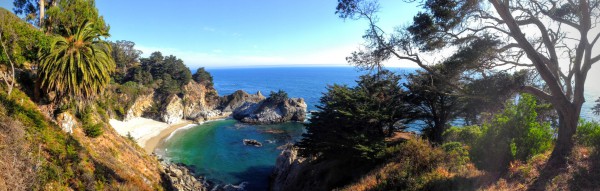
252,142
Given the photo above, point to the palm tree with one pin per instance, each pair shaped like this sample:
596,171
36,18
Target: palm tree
77,65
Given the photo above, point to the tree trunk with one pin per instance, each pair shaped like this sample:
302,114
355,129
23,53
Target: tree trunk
42,12
568,120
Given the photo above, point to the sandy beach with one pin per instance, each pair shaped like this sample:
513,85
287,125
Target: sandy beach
147,132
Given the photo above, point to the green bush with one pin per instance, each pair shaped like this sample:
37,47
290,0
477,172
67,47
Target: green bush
412,168
467,135
515,134
458,155
278,96
588,133
203,77
93,130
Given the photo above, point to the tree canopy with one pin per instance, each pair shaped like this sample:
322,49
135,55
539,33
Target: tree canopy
125,56
203,77
353,122
558,49
78,65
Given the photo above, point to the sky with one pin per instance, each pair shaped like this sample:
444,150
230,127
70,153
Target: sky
242,33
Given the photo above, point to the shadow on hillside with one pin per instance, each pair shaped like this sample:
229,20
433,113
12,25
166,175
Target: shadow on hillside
586,177
463,183
255,177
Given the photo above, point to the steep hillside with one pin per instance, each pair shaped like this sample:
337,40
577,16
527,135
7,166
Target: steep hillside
38,155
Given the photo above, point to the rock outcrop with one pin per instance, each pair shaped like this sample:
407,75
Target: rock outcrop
294,172
199,102
172,110
269,111
141,104
180,178
288,168
66,121
231,102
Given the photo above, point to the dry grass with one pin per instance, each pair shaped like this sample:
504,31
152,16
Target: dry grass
16,162
582,173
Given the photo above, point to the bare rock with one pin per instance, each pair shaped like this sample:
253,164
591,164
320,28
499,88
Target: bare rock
270,111
139,106
66,121
173,110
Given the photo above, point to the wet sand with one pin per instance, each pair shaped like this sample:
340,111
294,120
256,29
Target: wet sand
155,140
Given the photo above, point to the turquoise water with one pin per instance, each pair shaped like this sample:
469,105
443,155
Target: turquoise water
215,149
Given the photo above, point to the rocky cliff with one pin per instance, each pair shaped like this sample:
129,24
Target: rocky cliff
287,170
294,172
200,103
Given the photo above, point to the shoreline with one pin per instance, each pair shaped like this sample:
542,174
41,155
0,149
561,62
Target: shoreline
153,141
149,133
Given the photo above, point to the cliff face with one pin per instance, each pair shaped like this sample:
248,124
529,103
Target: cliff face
294,172
200,103
140,105
287,170
172,111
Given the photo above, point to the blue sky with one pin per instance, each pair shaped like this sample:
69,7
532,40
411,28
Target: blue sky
242,33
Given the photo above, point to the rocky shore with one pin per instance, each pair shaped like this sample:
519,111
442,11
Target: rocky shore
178,177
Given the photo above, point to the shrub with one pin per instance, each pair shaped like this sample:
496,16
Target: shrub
588,133
467,135
278,96
93,131
203,77
412,168
458,155
515,134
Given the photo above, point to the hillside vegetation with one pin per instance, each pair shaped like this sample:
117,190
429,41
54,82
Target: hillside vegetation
36,154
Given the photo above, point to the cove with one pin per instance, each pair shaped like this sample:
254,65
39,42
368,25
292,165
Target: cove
215,150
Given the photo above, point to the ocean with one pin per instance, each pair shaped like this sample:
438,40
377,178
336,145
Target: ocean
215,149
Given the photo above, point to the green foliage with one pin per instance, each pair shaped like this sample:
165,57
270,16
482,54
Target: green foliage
412,166
457,153
279,96
90,127
68,15
515,134
29,9
22,40
94,130
169,73
125,56
58,151
489,93
468,135
203,77
78,65
433,102
352,122
588,133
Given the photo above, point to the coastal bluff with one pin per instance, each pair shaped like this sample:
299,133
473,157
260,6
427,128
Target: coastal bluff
199,103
